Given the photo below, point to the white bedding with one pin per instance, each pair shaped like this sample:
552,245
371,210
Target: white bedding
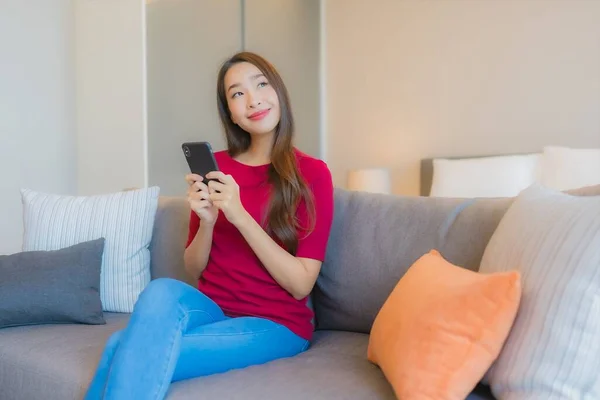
556,167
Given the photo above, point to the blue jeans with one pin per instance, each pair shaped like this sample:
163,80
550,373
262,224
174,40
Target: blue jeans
175,332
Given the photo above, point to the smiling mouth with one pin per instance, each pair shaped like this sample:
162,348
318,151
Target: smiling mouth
259,115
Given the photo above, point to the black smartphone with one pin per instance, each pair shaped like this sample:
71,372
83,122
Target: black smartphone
200,158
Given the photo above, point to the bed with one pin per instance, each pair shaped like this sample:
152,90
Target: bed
505,175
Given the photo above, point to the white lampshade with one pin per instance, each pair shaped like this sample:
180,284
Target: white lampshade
374,180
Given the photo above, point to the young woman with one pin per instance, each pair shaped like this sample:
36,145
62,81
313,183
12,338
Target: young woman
257,237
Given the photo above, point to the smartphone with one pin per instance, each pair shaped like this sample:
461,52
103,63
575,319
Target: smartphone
200,158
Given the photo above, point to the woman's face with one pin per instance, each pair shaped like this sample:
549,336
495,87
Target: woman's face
252,101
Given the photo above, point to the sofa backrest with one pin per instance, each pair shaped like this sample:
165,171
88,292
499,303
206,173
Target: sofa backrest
374,240
169,238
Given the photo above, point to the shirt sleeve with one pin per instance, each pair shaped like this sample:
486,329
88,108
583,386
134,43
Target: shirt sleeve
194,225
313,244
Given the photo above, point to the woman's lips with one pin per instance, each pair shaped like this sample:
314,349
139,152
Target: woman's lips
259,115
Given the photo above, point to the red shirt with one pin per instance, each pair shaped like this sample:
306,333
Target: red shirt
234,277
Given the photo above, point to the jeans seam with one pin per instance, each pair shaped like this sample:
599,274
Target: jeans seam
201,311
305,345
236,333
176,331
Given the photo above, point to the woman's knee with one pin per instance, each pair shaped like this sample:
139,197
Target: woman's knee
161,292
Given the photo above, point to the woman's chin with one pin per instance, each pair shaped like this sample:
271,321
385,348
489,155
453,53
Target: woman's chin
260,129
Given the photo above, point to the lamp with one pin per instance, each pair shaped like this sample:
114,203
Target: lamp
374,180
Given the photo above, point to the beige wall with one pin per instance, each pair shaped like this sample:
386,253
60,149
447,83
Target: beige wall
183,58
413,79
287,33
37,135
110,80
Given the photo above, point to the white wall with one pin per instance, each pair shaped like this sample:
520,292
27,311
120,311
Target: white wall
410,79
37,139
111,121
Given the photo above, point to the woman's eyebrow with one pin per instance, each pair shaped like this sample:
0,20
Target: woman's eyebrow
233,86
253,77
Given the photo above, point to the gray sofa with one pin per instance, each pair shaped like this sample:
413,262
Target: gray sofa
374,239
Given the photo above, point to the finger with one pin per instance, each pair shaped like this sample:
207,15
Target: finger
191,178
193,189
218,186
200,186
201,195
204,194
215,175
196,196
216,196
202,204
219,175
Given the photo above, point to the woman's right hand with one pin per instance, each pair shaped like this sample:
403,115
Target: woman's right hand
198,197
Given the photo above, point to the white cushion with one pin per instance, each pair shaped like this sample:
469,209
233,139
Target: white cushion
494,176
567,168
124,219
553,349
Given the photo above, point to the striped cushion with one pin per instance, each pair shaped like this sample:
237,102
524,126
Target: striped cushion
553,350
124,219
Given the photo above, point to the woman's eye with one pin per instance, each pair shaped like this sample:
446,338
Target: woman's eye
236,94
262,84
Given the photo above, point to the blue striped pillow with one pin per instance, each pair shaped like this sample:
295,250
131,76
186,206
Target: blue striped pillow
553,349
124,219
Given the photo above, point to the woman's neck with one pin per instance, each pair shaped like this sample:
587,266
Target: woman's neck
259,152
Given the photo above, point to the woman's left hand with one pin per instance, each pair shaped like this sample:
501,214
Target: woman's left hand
225,195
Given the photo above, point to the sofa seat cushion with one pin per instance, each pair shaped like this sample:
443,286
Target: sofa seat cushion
53,362
335,367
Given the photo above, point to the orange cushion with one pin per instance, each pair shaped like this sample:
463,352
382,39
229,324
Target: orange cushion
442,327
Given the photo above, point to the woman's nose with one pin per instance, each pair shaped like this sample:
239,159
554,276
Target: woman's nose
253,101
